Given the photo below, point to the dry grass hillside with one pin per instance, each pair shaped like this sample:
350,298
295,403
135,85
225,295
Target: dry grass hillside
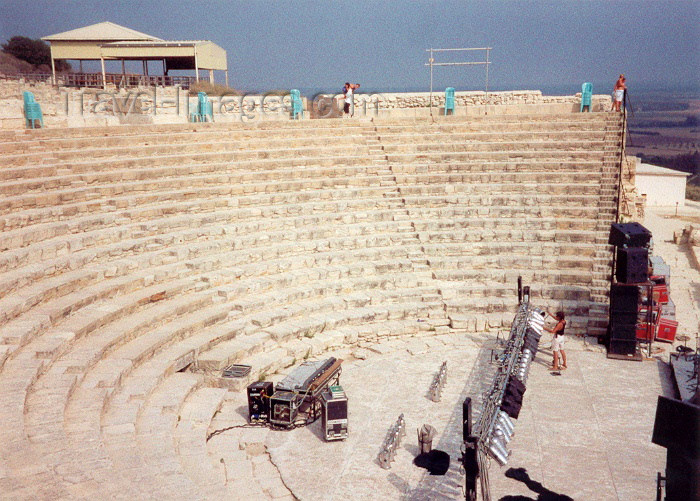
10,65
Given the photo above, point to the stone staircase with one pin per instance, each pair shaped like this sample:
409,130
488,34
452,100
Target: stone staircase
137,262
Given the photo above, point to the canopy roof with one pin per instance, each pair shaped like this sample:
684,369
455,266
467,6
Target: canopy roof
100,32
177,54
108,41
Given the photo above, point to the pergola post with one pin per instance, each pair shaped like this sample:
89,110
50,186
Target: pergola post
104,74
196,65
211,76
53,69
226,78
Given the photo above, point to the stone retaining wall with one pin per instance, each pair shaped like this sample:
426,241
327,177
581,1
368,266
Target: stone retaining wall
480,102
632,203
69,107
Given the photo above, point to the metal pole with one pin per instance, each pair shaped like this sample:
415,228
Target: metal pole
619,170
487,73
431,62
431,83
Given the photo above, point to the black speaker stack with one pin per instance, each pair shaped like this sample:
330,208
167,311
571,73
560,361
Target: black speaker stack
631,270
629,235
677,428
632,265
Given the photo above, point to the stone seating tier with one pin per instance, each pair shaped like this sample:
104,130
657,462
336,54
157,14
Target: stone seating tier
110,145
63,289
89,238
137,262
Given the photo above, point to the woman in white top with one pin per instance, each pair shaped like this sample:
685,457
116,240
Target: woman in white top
558,341
348,92
619,92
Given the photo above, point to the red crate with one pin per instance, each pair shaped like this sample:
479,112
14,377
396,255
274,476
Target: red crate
642,332
655,314
667,330
660,294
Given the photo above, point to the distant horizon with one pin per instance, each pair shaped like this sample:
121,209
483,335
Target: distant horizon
551,90
548,45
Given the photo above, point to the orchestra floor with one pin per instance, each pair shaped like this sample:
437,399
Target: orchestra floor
584,434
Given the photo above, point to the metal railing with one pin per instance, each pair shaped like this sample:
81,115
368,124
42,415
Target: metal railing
620,188
94,80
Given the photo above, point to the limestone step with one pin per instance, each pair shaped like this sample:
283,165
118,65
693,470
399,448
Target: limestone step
140,130
484,166
589,144
305,329
164,178
191,436
454,272
562,252
148,443
485,175
194,146
516,123
496,155
505,188
179,229
210,196
455,136
25,236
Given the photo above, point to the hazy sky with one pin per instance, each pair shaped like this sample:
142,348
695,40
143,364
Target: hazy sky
321,44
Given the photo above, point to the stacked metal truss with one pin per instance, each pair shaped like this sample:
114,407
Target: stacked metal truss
392,442
438,383
495,428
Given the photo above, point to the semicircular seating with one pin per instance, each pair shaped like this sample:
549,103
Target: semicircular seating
137,262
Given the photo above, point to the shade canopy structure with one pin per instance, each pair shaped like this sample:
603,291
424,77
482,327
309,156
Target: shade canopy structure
109,41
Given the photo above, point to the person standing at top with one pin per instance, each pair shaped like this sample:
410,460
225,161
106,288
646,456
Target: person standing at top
348,91
619,92
558,341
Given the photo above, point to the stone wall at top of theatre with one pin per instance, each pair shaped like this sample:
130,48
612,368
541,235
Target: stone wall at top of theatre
73,107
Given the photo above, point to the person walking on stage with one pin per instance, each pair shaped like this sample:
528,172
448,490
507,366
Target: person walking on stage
558,341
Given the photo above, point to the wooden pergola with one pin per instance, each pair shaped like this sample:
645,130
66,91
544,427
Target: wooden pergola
109,41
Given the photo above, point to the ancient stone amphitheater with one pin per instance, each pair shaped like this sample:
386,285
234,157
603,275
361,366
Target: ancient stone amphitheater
137,262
